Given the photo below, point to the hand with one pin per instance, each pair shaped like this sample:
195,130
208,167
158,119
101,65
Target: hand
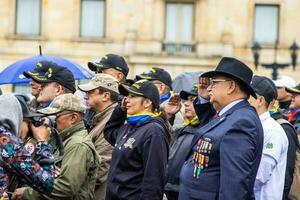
174,105
123,104
56,171
41,133
202,89
5,196
18,194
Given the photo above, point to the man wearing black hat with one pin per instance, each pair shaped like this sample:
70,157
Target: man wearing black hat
111,64
35,86
270,178
163,82
226,152
55,80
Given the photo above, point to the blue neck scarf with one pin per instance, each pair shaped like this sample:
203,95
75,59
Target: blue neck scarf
140,119
165,97
46,104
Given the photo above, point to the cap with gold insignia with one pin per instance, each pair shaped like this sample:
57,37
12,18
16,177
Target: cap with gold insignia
52,72
64,102
101,80
110,61
142,88
158,74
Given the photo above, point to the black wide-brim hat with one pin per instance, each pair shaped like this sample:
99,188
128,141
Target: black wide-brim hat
236,70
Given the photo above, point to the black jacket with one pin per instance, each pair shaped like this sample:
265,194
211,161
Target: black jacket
178,152
291,154
139,159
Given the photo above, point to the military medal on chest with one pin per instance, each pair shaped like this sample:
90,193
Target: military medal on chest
201,156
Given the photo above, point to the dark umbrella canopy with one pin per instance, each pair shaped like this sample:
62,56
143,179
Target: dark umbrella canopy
13,74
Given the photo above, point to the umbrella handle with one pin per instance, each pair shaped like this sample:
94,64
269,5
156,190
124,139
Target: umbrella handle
40,49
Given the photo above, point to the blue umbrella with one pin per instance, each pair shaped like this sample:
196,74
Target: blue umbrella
13,74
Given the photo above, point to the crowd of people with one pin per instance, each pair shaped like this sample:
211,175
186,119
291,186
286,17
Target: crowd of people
232,136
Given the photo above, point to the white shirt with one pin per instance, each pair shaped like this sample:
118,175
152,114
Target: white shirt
269,182
230,105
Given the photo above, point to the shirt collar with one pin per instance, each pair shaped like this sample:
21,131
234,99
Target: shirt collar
264,116
230,105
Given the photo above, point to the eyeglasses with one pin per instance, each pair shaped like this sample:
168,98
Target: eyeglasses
213,82
62,114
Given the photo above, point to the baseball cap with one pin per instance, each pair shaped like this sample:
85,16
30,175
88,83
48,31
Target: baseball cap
295,89
265,87
158,74
36,72
64,102
55,73
193,92
110,61
101,80
142,88
285,81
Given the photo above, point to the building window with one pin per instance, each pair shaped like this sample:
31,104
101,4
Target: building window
179,27
92,18
21,89
28,17
266,16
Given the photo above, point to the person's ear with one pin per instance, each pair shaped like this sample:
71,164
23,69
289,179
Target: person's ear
59,90
106,96
74,118
231,87
147,104
119,76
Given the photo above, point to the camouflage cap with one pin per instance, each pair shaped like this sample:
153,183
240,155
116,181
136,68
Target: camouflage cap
64,102
101,80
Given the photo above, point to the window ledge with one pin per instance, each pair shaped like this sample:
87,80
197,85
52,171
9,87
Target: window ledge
25,37
179,48
92,39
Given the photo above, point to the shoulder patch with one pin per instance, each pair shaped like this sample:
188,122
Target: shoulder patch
269,145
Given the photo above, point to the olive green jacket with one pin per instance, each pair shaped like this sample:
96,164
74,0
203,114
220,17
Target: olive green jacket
79,168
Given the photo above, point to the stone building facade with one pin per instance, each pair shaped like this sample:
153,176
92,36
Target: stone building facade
178,35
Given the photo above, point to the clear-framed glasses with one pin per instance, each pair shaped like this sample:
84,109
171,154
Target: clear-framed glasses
213,82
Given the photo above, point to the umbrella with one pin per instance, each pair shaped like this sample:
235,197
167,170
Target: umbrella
185,81
13,74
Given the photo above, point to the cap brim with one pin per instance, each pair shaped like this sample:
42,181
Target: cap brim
243,83
185,94
87,87
125,90
94,66
292,90
49,111
144,76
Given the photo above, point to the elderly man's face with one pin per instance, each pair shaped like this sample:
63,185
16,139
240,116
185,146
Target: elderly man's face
217,91
63,120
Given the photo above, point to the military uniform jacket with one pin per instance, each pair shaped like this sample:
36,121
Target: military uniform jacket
229,150
79,168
